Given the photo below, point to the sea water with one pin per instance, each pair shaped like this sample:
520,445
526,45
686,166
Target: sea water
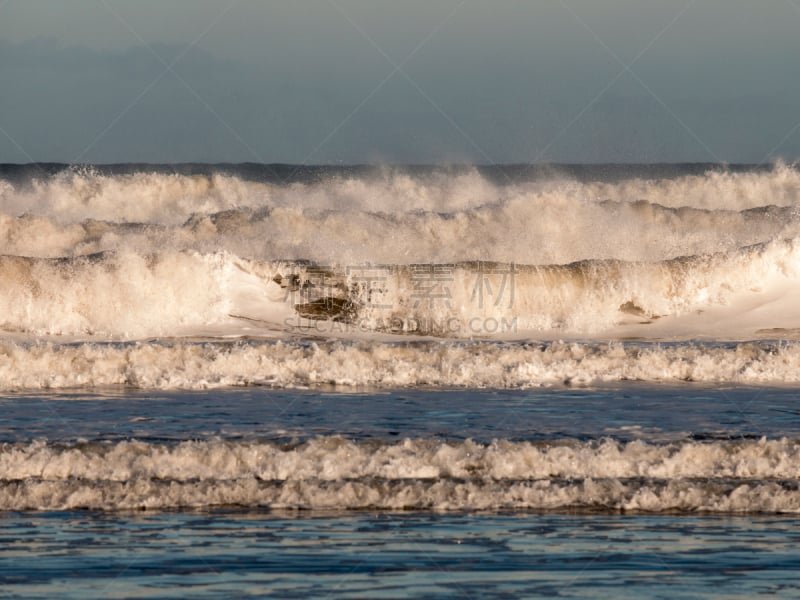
381,382
625,490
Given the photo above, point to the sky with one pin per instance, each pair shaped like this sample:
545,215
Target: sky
375,81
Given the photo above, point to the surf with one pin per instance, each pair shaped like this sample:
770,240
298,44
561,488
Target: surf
396,215
208,276
332,472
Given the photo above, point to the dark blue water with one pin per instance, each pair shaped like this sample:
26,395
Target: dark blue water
625,412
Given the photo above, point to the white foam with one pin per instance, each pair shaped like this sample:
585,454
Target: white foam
630,495
336,458
754,476
388,365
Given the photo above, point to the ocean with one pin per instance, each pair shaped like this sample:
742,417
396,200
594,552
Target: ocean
385,382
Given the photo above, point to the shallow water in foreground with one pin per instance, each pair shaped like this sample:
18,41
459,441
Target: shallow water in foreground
397,555
591,547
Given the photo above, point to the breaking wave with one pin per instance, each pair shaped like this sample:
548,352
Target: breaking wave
746,294
95,256
392,216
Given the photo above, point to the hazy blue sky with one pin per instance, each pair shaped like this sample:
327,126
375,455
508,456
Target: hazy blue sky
328,81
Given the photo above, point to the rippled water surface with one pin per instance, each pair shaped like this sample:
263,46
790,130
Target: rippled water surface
394,555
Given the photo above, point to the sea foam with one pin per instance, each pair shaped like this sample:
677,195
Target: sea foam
332,472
